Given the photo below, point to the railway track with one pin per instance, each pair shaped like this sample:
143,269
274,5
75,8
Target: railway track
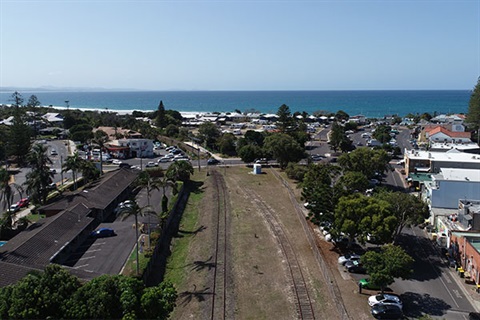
303,302
219,304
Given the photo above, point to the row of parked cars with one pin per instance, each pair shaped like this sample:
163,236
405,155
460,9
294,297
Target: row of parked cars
174,154
22,203
384,306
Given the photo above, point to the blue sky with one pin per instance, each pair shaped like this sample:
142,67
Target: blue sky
240,45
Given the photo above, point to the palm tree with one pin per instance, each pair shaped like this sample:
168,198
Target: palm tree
134,209
6,188
89,170
73,163
164,183
38,179
180,170
100,138
150,183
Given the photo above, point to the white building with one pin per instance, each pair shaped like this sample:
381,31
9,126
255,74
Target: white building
139,148
450,185
431,161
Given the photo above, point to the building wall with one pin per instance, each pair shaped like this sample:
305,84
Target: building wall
143,147
469,257
436,165
449,192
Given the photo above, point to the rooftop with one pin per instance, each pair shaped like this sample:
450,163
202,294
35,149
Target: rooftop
449,156
455,174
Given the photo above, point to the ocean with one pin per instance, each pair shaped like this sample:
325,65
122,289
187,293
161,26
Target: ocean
368,103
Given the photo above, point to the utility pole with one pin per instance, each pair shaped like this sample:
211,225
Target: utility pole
61,168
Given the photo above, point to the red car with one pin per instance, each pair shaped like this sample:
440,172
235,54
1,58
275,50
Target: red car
23,202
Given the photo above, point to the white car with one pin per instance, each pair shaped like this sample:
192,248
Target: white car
151,164
165,159
117,162
385,299
348,257
14,207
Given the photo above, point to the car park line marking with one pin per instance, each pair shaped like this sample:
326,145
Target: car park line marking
439,276
85,258
458,294
94,250
78,267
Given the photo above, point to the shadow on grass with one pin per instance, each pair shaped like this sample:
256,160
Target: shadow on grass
199,295
194,232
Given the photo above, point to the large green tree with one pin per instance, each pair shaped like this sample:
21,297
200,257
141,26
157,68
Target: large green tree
318,191
32,104
408,209
473,115
250,152
366,161
337,137
161,119
384,266
285,120
226,144
358,215
40,295
283,148
19,139
209,133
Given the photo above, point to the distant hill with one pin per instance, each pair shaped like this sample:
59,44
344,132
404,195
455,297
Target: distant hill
61,89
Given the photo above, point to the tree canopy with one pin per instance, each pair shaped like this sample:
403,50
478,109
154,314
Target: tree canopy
56,294
473,115
283,148
390,263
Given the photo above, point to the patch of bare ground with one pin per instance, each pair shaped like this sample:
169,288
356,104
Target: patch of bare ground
259,277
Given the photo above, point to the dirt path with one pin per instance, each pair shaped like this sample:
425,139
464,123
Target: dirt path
269,262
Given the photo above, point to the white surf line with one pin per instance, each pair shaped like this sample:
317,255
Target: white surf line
436,272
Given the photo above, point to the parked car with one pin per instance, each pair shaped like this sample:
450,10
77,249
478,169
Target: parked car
474,316
386,311
14,207
53,152
355,267
124,165
365,283
348,257
151,164
23,202
385,299
212,161
261,161
52,170
165,159
103,232
117,162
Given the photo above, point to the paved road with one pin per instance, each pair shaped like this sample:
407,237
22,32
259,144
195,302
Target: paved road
433,288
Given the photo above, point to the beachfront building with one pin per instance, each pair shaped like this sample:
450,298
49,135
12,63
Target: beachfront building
360,119
53,118
450,119
430,161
